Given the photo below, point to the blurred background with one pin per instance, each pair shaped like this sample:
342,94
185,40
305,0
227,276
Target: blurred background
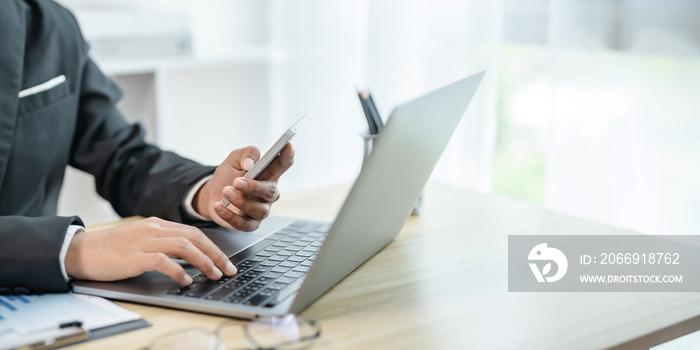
589,107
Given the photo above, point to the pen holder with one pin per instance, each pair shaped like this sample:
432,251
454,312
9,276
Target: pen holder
368,140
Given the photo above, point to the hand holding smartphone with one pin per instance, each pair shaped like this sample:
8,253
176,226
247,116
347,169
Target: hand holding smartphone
274,151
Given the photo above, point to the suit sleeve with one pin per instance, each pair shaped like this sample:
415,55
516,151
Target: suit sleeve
137,178
30,261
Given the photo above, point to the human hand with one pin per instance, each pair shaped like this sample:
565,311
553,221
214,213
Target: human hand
250,199
132,249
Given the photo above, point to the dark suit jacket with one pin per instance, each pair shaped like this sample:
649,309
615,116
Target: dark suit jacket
74,123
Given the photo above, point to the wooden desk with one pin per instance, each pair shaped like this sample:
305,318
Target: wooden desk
443,284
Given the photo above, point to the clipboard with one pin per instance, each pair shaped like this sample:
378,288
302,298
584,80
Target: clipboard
47,321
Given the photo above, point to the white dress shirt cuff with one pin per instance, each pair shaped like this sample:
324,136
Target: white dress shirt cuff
187,204
70,232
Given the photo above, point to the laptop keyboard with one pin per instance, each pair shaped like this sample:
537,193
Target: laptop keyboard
282,259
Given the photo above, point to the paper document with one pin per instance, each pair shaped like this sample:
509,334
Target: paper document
31,316
688,341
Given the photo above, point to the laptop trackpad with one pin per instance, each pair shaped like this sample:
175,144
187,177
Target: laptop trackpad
231,242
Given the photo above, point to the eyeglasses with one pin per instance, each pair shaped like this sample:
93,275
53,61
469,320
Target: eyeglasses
288,332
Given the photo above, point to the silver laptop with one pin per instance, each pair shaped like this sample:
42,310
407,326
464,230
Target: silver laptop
287,264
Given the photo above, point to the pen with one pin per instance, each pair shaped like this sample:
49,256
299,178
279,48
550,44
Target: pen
375,113
51,337
363,96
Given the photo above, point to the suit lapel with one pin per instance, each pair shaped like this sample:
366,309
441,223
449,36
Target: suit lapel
12,40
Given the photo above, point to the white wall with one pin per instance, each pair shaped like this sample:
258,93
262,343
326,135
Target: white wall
416,46
624,147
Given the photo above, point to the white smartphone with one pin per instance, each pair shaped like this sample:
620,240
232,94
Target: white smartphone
275,150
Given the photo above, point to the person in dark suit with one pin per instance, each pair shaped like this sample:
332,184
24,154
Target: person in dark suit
58,109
